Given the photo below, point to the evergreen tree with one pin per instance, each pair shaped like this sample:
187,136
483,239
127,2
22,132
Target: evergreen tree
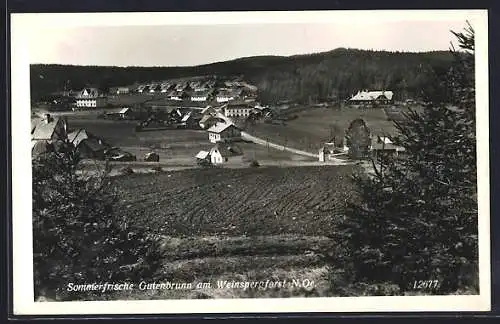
77,237
416,217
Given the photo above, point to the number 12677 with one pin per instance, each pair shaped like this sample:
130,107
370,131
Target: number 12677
425,284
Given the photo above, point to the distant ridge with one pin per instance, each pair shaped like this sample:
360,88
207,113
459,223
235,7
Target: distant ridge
303,77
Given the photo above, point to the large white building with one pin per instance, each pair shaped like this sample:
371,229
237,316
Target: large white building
238,110
90,98
226,95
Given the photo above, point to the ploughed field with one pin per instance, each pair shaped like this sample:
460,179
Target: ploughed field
251,201
239,225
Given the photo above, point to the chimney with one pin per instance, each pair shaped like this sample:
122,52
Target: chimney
48,118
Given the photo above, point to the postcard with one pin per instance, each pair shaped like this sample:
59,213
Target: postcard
250,162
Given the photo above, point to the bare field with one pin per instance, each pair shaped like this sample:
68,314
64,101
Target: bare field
242,225
234,202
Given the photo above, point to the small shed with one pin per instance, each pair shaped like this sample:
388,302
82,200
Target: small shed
125,113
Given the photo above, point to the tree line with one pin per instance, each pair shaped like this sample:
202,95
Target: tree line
333,75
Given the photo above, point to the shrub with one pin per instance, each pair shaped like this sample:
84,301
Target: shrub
77,237
157,168
254,164
126,170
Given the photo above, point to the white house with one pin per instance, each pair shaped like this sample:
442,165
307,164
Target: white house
365,96
90,98
122,90
238,110
175,95
223,132
199,96
228,95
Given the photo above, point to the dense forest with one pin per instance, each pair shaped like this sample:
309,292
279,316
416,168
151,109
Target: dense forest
317,77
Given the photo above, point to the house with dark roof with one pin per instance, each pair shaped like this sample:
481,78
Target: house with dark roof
223,132
90,98
87,145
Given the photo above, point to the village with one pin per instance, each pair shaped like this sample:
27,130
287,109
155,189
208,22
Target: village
228,113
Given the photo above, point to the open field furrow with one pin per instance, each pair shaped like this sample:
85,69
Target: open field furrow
197,247
192,269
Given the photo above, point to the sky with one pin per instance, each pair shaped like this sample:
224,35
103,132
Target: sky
176,45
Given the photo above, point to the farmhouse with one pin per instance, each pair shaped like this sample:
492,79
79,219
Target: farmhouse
226,95
208,121
48,129
223,132
208,110
154,88
177,95
90,98
166,87
87,145
238,110
122,90
200,96
384,145
371,97
142,88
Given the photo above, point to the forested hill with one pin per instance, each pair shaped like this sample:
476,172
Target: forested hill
313,77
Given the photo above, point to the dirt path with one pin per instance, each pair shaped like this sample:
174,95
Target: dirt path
261,141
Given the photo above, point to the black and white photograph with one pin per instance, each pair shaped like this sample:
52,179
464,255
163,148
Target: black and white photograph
232,162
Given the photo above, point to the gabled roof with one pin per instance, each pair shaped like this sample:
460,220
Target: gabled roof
205,118
227,150
40,147
89,93
206,109
124,110
44,130
239,104
229,92
202,155
200,94
220,127
76,137
186,117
